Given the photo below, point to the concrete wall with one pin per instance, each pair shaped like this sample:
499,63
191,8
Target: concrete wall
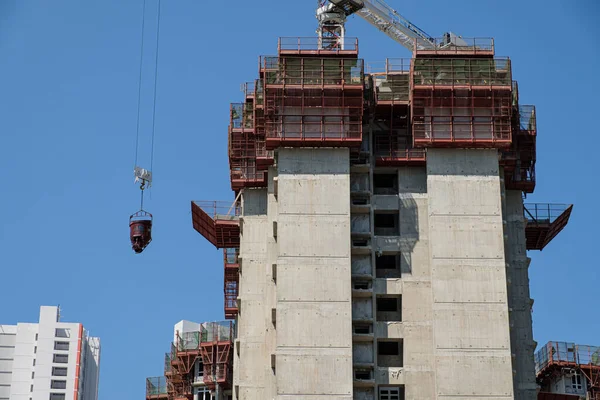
253,376
314,336
414,285
519,301
470,306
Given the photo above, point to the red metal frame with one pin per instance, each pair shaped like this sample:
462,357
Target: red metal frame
231,282
391,81
461,118
544,222
313,101
519,160
310,46
217,359
461,102
392,138
213,345
218,222
470,47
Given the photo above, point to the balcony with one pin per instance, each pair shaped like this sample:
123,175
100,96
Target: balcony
544,222
218,222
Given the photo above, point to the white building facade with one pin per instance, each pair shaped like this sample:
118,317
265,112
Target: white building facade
49,360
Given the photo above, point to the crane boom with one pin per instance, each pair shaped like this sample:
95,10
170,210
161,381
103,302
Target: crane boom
379,14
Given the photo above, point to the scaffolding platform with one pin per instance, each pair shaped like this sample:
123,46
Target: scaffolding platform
231,282
312,46
391,81
461,118
554,358
156,388
544,222
452,45
218,222
519,160
213,338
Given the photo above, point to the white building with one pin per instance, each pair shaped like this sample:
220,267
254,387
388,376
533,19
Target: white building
48,360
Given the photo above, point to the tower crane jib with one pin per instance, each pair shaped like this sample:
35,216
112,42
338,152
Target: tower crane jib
332,15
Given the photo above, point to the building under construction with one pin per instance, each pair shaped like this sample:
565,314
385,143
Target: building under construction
199,365
377,244
568,371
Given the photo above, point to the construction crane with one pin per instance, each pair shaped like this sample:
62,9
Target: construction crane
332,15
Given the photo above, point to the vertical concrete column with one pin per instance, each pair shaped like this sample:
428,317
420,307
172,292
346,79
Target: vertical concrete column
313,314
519,302
252,366
470,306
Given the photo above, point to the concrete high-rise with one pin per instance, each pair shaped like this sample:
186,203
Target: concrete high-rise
48,360
377,244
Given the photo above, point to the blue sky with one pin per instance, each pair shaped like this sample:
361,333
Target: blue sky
68,98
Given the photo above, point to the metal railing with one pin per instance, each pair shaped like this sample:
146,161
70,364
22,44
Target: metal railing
324,128
312,44
156,386
566,353
313,71
241,116
249,89
167,363
209,332
219,209
462,72
455,45
543,213
389,66
527,119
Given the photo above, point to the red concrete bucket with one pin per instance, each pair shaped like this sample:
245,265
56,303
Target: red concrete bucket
140,230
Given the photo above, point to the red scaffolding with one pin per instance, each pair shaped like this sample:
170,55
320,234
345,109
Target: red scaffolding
212,346
544,222
313,97
462,102
231,282
555,359
218,222
519,159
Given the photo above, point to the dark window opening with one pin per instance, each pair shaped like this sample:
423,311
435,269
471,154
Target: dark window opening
387,304
388,266
58,371
360,242
363,329
360,201
361,285
386,224
388,348
58,384
389,353
389,308
61,345
362,374
60,358
385,183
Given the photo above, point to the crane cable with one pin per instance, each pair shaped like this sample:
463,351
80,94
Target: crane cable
137,138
